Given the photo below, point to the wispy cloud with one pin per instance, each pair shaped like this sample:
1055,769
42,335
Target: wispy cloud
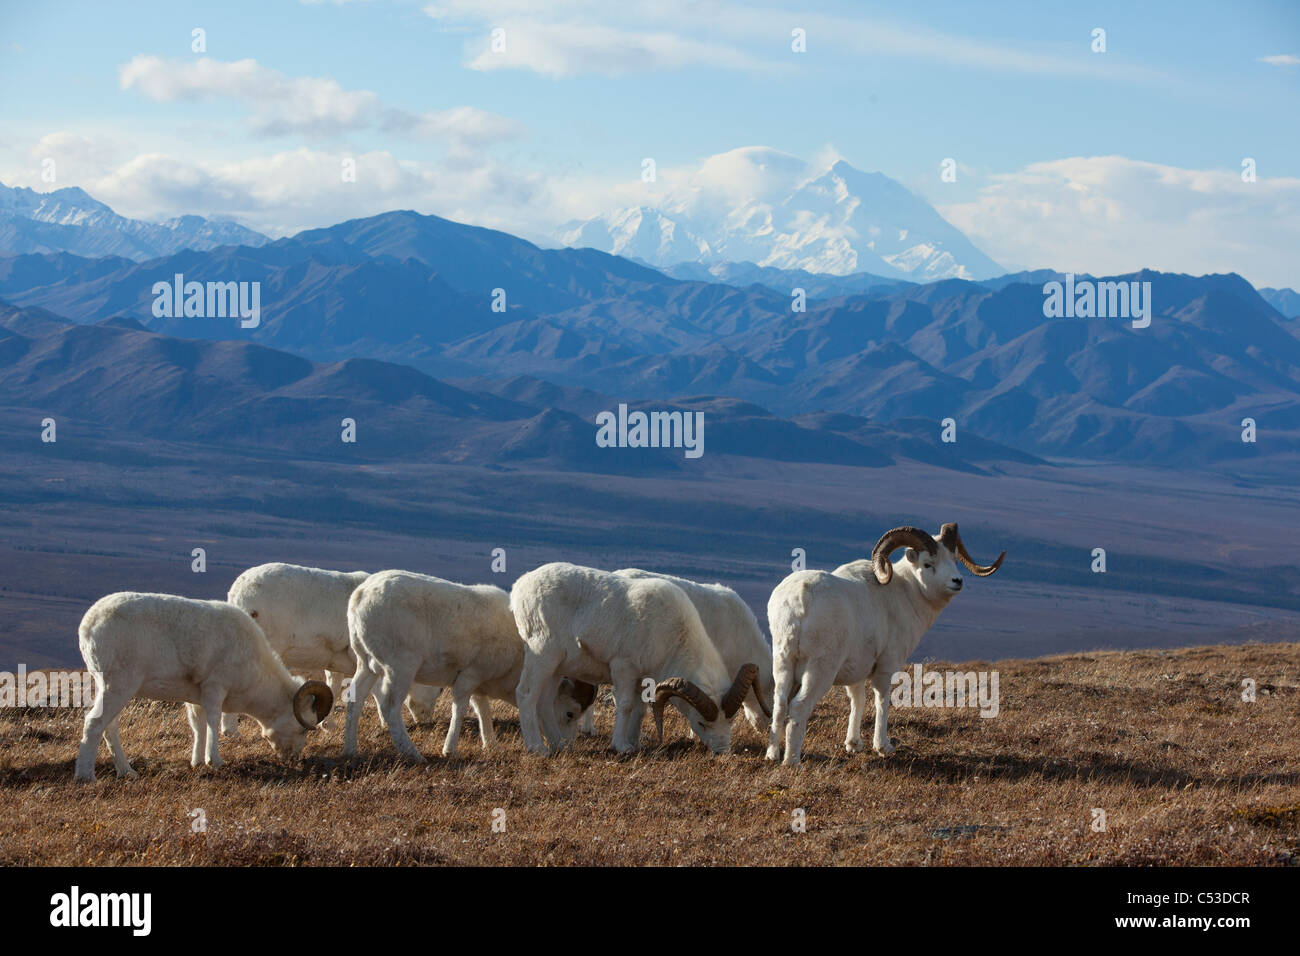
312,106
569,37
1111,214
283,192
1281,59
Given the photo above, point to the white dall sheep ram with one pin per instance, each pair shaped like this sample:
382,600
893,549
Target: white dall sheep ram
304,614
597,626
207,653
406,627
734,631
855,625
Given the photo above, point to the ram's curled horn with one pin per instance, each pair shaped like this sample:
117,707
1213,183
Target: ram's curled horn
951,539
680,687
322,699
735,696
892,540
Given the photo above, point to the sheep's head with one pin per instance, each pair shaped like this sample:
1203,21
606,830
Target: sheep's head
932,562
572,699
311,703
710,721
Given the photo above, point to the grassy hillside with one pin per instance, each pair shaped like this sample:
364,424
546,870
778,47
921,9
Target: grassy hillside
1186,772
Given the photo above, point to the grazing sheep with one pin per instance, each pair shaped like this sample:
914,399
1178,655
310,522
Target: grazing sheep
304,614
406,627
734,631
597,626
207,653
856,625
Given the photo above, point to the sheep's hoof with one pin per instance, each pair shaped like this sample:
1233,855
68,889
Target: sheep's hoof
129,775
773,753
854,746
885,750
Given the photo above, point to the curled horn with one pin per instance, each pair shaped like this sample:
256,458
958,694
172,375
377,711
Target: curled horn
891,541
322,701
950,538
734,697
680,687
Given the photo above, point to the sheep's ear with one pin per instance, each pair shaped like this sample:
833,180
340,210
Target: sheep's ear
911,554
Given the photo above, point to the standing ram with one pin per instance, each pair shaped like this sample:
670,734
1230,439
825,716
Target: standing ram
406,627
205,653
855,625
598,626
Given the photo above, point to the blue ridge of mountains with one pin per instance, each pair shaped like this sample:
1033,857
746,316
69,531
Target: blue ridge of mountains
244,395
418,291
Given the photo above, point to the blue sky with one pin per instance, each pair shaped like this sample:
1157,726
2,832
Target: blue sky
1059,148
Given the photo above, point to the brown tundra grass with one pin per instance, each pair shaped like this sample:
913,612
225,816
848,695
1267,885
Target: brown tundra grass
1161,741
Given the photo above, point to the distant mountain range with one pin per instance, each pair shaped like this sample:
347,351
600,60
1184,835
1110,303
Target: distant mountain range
419,291
69,220
243,395
762,206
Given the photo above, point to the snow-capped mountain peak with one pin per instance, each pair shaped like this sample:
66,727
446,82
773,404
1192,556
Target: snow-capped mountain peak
772,209
70,220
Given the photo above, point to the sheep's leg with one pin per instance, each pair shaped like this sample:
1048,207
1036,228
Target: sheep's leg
120,763
811,690
483,710
362,681
108,704
754,711
211,701
199,726
461,690
230,726
383,718
880,684
335,681
546,711
587,726
785,679
630,709
392,694
532,681
857,707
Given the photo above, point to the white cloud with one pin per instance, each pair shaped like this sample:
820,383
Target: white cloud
282,193
1110,214
1281,59
573,47
76,157
569,37
315,106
